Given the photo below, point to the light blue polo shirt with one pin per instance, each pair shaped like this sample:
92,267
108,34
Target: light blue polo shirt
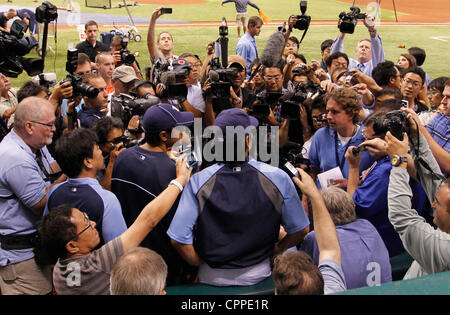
322,153
21,176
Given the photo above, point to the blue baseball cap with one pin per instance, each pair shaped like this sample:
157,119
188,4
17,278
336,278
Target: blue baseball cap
235,117
161,117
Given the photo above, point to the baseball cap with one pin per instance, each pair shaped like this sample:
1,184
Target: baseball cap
236,59
125,74
162,117
234,117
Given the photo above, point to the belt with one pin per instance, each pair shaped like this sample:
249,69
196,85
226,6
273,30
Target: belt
10,242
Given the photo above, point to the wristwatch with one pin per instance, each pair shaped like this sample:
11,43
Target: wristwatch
397,160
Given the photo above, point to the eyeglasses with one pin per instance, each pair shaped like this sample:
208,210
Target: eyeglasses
413,83
276,78
83,230
50,125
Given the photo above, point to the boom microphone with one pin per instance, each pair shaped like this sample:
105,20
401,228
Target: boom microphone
271,54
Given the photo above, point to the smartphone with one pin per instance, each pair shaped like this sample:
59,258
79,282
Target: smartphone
405,103
362,148
166,10
292,170
191,160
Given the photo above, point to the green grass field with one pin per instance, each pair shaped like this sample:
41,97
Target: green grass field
194,39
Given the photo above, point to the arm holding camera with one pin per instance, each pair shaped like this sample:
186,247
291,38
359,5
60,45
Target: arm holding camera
106,181
60,91
353,172
440,154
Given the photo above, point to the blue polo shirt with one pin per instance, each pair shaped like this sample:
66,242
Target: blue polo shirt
87,195
21,176
87,116
371,203
322,153
247,49
237,214
361,246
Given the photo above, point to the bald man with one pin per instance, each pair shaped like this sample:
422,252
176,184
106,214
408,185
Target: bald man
25,178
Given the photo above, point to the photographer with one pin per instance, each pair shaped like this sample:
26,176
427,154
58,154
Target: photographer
109,132
122,56
93,108
369,52
427,245
8,100
163,49
174,85
370,192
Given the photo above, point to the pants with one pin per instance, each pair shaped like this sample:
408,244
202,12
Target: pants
25,277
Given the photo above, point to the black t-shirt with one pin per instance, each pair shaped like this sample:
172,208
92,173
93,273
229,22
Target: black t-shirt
139,176
91,51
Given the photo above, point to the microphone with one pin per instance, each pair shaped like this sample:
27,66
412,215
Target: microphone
213,76
271,54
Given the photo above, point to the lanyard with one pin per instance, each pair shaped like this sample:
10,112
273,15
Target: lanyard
338,161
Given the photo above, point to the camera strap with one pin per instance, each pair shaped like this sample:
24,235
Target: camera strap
303,36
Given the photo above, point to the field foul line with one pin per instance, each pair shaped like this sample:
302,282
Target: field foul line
441,38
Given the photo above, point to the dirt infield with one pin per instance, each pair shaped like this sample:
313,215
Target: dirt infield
431,11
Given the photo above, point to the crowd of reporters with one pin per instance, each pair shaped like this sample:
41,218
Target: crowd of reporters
379,124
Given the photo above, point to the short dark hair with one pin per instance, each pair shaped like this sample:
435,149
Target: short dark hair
336,55
419,54
90,23
325,44
55,229
388,91
295,40
417,71
294,273
82,59
383,72
30,88
438,84
254,20
102,127
152,137
300,56
72,148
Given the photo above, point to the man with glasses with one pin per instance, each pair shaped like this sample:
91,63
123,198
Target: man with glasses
370,191
412,82
80,158
70,238
26,174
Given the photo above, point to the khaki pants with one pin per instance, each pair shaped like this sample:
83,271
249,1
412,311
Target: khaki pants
242,20
25,277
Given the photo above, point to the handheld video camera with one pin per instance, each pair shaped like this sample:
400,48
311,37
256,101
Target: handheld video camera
348,21
14,45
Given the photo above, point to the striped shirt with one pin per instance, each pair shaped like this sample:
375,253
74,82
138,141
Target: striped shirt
439,128
87,275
